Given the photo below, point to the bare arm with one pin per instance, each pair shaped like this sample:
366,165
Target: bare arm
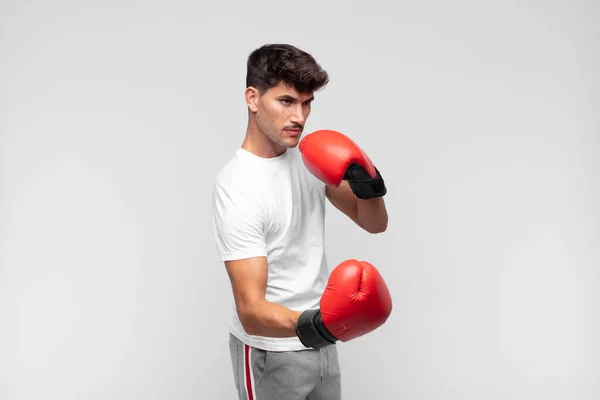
371,214
258,316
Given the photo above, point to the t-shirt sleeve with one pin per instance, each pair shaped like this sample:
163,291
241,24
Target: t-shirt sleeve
238,224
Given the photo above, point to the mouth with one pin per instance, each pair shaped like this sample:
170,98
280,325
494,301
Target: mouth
294,131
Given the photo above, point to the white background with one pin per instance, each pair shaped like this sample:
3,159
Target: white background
483,118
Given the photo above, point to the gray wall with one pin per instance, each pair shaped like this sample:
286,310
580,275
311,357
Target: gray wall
482,117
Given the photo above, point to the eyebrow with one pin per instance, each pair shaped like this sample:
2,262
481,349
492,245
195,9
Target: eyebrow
289,97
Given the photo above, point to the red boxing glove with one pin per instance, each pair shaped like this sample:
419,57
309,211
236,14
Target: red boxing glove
355,302
332,157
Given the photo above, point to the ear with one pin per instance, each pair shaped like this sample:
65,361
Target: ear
252,97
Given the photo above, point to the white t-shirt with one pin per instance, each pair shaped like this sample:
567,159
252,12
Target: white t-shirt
273,207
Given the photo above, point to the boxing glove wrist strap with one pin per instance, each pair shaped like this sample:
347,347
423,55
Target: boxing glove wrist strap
312,332
361,183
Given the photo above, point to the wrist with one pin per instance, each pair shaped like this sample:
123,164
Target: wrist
295,316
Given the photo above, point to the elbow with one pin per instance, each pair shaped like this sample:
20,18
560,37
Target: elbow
377,228
248,319
249,326
374,224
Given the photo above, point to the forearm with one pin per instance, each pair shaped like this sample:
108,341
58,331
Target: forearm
263,318
372,214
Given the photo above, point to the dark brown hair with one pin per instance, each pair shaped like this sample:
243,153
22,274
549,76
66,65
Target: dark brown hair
272,64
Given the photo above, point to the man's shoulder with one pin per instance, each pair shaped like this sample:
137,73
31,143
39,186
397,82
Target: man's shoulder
231,169
234,177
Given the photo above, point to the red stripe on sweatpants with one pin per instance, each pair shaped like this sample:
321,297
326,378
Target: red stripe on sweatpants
249,388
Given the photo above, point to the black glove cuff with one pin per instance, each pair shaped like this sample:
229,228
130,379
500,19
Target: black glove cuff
312,332
361,183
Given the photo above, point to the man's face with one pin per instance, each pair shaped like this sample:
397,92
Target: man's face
281,113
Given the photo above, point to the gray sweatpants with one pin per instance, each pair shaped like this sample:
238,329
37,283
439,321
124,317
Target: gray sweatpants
291,375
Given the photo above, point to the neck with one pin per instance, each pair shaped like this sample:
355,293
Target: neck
259,144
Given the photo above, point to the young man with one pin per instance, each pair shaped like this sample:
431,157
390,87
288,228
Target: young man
269,214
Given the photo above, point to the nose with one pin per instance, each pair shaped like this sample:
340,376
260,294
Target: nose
299,114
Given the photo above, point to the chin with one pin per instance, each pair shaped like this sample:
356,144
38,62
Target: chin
291,143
